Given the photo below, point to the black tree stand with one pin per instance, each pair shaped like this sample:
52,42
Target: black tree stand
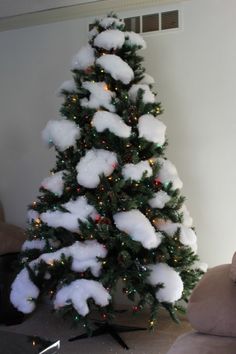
111,329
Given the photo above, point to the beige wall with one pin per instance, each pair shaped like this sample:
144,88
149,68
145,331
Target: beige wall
196,79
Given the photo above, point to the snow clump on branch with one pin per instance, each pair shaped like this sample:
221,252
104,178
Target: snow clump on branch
100,96
135,171
84,58
95,163
134,39
103,120
138,227
111,21
78,209
159,199
54,183
67,86
187,235
148,96
163,274
110,39
62,133
24,292
116,67
168,173
78,292
151,129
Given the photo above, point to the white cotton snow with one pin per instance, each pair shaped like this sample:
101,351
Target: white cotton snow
68,86
200,265
159,200
23,292
32,215
60,219
110,21
62,133
135,171
134,39
187,219
84,58
116,67
78,209
147,79
95,163
103,120
151,129
110,39
84,256
187,235
162,273
54,183
138,227
168,173
33,244
78,292
92,33
148,96
100,96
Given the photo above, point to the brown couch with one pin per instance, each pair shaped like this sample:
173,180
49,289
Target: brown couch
11,236
212,314
11,240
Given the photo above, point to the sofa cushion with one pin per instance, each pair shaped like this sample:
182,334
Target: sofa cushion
233,268
2,218
11,238
212,305
195,343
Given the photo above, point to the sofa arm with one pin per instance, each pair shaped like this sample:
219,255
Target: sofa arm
11,238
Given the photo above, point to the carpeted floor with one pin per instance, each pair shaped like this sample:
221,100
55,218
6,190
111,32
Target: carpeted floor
42,323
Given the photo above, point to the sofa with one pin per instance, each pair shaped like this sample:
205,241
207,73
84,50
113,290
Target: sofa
212,314
11,240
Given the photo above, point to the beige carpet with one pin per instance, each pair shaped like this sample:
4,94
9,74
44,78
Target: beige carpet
43,323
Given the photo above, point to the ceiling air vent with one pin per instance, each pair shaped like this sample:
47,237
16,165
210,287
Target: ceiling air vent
150,23
132,24
169,19
161,21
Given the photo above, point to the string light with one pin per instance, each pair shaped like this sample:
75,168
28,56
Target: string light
151,162
97,217
106,88
50,262
135,308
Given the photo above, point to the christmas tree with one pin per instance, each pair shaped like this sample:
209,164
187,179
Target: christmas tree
112,206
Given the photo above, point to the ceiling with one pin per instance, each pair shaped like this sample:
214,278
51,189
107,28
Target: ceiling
9,8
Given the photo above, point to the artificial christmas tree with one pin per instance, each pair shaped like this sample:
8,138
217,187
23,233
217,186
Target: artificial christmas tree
111,208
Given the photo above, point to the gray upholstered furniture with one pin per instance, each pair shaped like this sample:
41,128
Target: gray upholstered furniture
212,314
